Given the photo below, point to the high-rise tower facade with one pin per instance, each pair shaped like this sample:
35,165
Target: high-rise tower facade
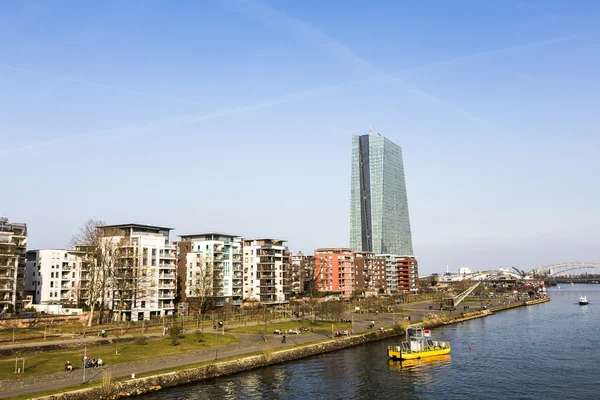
379,220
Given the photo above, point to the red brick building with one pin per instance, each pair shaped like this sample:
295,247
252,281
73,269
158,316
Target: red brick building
369,271
343,270
408,274
334,270
183,248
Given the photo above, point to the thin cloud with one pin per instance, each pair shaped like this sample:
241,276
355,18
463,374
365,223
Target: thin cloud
273,17
181,120
412,73
96,84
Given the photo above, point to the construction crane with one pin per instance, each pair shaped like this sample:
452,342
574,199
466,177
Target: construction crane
450,303
522,273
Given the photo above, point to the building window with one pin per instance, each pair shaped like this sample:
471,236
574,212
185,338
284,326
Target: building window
51,284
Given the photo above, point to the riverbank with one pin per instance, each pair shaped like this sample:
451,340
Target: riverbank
269,356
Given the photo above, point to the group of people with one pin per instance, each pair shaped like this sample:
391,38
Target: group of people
92,363
343,333
86,363
220,324
291,331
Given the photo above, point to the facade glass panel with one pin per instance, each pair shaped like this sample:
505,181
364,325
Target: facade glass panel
379,219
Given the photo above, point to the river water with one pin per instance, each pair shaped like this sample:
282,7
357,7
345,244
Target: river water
546,351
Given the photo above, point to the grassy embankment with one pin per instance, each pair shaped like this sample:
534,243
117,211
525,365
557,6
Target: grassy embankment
54,361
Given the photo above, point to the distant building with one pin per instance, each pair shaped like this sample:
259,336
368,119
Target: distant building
54,276
465,271
214,261
13,246
143,278
266,271
379,219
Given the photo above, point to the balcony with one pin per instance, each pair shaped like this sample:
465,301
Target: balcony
166,295
166,276
170,256
166,306
165,286
167,265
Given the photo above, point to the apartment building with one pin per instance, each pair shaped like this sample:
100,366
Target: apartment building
370,271
143,271
408,274
53,276
335,270
13,247
302,266
266,271
214,269
391,272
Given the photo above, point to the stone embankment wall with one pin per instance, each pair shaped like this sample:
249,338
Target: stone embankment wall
139,386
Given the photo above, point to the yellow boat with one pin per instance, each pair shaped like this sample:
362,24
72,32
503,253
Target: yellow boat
418,345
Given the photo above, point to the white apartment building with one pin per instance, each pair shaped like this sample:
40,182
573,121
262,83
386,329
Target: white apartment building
143,281
214,266
266,269
53,276
13,245
391,273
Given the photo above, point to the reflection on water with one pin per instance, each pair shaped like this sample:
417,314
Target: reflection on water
422,365
546,351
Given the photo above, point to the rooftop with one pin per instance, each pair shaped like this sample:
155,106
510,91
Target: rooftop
206,234
136,226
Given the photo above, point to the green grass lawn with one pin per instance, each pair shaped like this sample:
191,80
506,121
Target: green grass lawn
317,326
53,361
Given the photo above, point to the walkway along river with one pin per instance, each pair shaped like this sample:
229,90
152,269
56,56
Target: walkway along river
548,351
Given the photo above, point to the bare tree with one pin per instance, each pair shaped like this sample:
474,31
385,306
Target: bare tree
312,270
131,280
93,278
200,284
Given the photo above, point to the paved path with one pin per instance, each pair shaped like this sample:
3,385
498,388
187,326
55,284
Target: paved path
247,343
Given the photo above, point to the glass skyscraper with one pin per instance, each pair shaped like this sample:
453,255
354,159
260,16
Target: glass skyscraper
379,219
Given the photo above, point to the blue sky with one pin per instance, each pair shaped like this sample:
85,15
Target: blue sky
237,116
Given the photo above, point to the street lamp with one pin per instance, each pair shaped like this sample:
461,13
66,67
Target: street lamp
84,361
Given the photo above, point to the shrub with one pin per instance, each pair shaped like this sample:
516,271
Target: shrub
175,332
199,336
141,340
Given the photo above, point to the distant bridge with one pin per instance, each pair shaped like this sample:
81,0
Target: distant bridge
562,268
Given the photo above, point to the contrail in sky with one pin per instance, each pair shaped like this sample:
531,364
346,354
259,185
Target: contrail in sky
273,17
101,85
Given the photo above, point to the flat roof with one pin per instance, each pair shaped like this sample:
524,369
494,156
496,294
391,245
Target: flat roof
264,238
208,234
345,249
136,225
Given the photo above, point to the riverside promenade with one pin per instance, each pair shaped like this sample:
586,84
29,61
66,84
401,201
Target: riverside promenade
246,344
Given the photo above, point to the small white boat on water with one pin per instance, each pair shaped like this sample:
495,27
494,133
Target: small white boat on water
583,301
